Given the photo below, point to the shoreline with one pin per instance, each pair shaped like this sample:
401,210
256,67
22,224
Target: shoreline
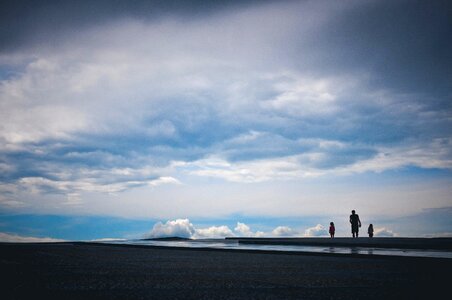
265,251
376,242
416,248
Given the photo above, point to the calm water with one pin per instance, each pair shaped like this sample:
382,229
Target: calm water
231,244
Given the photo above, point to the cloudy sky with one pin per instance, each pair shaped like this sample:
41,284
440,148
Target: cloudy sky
125,119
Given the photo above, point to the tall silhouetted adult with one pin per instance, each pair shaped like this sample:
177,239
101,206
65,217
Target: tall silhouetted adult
356,223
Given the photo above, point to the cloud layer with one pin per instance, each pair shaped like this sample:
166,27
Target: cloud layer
155,96
183,228
14,238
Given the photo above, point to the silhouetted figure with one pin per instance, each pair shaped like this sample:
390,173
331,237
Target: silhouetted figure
332,229
356,223
370,230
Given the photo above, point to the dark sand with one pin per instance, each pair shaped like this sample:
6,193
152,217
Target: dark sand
83,270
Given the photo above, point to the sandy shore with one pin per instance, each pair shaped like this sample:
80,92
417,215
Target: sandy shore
82,270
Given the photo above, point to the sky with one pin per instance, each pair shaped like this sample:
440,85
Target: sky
132,119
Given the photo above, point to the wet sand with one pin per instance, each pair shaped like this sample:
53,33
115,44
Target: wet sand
101,271
377,242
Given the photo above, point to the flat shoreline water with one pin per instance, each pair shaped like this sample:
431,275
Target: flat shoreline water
377,242
306,247
106,271
416,247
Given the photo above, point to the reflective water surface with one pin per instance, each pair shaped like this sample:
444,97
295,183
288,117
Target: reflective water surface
233,244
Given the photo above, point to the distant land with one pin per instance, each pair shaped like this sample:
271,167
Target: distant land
170,238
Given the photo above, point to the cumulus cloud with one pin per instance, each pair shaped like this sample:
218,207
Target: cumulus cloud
384,232
14,238
318,230
214,232
281,231
176,228
244,230
184,228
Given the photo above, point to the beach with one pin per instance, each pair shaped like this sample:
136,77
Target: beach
104,271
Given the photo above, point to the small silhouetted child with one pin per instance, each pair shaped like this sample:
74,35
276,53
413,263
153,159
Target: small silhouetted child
370,230
332,229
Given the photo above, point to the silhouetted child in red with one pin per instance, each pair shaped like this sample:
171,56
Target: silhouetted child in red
332,229
370,230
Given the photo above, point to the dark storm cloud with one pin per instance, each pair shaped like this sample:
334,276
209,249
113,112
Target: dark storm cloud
404,44
25,22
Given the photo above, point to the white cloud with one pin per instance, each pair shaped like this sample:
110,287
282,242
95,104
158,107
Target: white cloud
304,96
318,230
184,228
249,171
434,155
14,238
214,232
281,231
384,232
163,180
94,184
244,230
176,228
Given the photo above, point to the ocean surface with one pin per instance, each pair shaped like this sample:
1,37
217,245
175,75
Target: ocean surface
235,245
